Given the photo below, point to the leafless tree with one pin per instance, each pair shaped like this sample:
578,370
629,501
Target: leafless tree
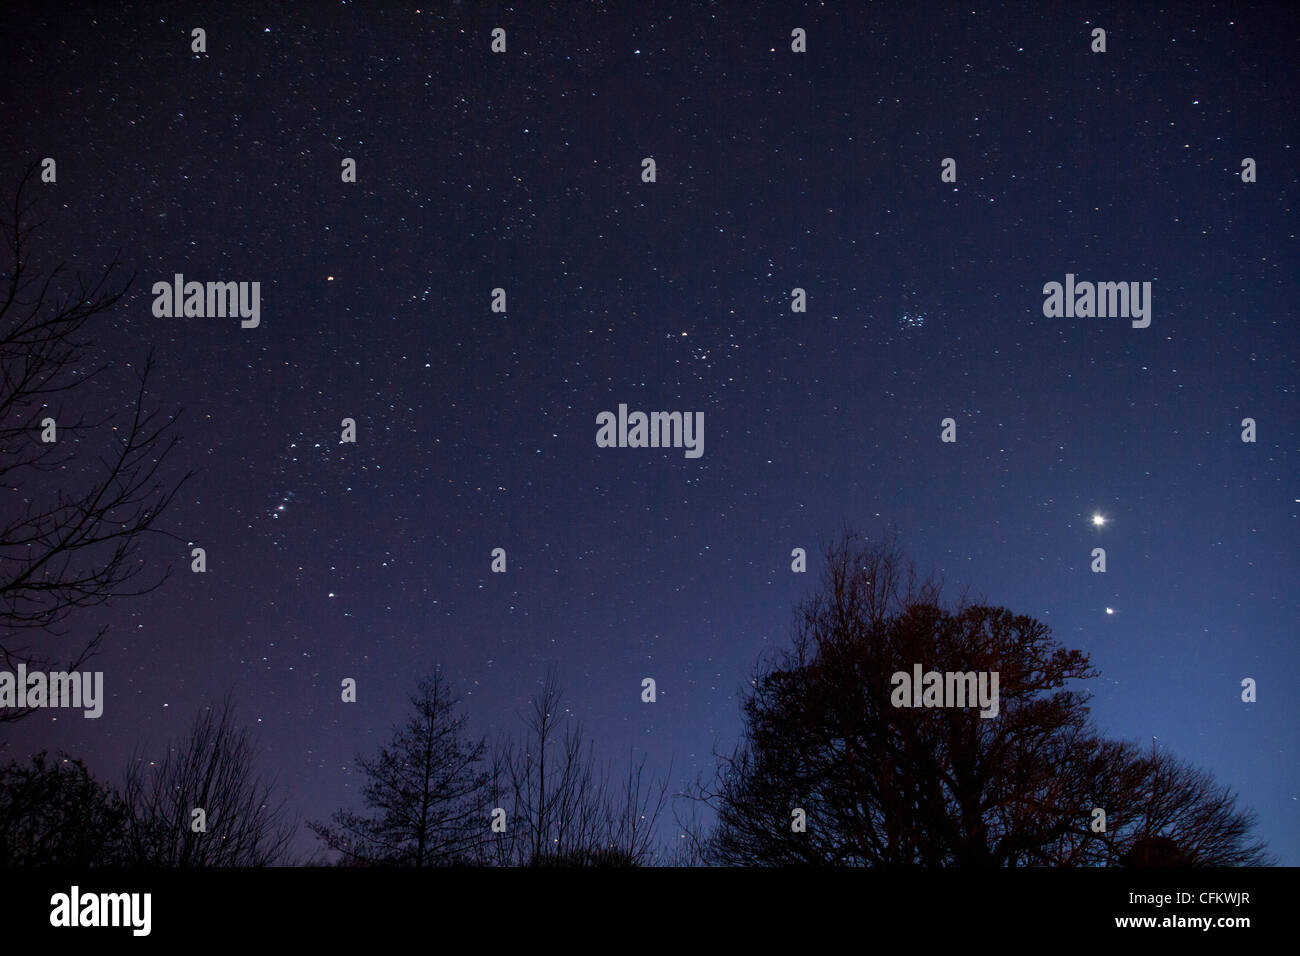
213,770
74,511
561,806
634,809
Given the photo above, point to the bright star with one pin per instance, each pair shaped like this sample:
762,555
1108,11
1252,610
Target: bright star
1110,610
1098,520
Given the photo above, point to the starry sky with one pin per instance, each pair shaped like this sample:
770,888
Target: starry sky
775,170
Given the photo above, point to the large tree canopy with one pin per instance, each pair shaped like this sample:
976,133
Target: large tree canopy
887,785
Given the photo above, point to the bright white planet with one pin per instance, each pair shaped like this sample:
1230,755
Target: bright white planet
1098,520
1110,610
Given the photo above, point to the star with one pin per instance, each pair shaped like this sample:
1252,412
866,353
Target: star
1098,520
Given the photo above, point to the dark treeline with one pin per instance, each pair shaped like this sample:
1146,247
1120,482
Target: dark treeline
830,771
433,796
202,803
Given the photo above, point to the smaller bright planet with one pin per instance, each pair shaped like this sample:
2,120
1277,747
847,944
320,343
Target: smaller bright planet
1098,520
1110,610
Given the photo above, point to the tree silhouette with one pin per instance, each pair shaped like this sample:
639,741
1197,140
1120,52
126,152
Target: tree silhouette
425,790
900,786
62,549
212,770
561,807
54,813
1184,818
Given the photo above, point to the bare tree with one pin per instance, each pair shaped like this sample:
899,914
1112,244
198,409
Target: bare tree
64,548
561,807
213,770
633,812
425,790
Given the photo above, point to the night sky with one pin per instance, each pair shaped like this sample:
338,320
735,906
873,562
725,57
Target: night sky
776,170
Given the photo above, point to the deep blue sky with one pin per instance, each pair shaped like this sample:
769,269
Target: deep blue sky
775,170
